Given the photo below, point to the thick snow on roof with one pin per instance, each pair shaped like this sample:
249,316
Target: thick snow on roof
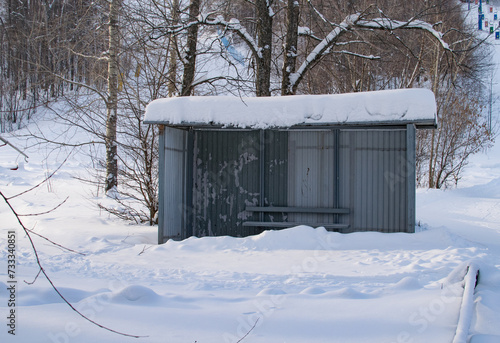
380,107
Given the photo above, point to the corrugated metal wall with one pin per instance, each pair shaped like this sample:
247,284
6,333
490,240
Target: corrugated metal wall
226,179
211,176
373,179
311,174
275,174
173,189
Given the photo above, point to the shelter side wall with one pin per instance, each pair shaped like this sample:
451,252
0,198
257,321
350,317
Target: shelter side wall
173,192
411,175
374,173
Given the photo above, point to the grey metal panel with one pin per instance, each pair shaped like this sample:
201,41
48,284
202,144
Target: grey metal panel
275,173
226,180
262,166
410,171
174,183
188,212
311,177
373,179
161,185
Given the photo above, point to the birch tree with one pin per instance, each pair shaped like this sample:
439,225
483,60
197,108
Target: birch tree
112,101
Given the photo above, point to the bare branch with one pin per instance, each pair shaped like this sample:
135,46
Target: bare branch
320,14
391,25
34,279
104,57
320,49
357,21
251,329
368,57
54,243
45,212
42,270
235,26
307,32
15,148
42,182
231,25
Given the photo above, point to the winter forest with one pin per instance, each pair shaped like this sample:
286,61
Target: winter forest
96,65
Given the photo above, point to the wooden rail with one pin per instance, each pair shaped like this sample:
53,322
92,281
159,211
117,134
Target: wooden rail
306,210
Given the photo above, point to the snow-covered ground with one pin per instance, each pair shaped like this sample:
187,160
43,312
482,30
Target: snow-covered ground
296,285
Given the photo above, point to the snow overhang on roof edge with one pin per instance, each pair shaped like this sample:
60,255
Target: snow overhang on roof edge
388,107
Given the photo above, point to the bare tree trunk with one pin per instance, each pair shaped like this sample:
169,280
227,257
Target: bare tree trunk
112,102
292,34
265,43
190,62
172,52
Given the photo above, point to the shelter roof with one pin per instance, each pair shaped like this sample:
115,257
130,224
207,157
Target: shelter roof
387,107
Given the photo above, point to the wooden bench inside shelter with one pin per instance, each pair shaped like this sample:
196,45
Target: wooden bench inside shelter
284,224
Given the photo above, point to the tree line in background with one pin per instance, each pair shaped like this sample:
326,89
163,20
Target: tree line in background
107,59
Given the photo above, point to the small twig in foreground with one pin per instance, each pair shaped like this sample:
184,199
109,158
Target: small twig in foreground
42,270
251,329
144,250
46,212
42,182
54,243
34,280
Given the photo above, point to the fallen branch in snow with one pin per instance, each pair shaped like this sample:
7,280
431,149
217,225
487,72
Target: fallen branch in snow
144,250
42,271
470,282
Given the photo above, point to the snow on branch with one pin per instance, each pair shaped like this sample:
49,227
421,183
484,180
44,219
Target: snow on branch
345,52
357,21
319,13
389,24
305,31
322,47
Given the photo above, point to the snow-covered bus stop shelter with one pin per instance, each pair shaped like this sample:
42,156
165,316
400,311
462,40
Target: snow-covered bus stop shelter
238,166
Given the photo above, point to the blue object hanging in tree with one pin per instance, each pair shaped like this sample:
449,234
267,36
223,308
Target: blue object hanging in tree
231,49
